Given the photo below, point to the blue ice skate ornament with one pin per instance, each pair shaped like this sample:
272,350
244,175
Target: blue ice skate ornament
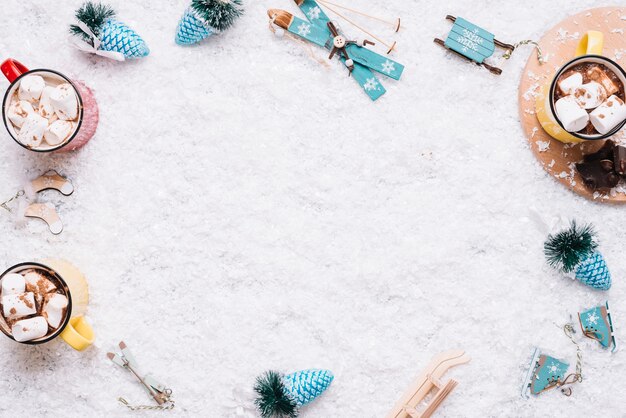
574,251
281,396
318,29
476,44
597,324
545,372
203,18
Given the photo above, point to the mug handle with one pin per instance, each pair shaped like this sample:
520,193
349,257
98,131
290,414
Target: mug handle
591,43
12,69
78,333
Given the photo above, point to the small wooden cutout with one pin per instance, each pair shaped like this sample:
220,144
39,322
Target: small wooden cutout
428,380
47,213
52,180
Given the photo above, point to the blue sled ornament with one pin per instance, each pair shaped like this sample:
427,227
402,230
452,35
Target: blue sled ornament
473,43
597,324
321,31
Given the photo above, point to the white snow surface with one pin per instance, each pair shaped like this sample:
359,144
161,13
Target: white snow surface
244,208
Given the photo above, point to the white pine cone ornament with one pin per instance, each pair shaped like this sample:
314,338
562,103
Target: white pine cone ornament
281,396
203,18
103,35
573,251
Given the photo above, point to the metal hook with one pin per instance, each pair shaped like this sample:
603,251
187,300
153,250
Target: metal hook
5,204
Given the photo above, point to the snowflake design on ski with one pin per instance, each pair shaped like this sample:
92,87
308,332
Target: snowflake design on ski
592,318
388,67
314,13
554,368
370,84
47,182
304,29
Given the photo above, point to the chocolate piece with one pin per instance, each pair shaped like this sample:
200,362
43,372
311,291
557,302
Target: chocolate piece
604,153
598,174
619,160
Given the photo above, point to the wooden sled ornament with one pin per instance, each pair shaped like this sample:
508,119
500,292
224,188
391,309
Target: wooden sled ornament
429,379
472,43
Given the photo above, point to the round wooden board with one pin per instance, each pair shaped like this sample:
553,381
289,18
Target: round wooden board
558,46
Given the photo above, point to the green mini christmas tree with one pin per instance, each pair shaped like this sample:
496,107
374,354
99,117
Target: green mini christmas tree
110,34
281,396
205,17
93,15
574,250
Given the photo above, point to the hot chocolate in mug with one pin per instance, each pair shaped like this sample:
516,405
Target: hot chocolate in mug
44,111
37,304
588,52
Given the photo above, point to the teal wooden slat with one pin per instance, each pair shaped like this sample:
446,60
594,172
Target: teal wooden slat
314,13
483,46
464,50
309,31
473,28
470,40
375,61
367,80
316,31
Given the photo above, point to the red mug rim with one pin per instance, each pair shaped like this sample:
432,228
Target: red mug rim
59,330
553,90
80,107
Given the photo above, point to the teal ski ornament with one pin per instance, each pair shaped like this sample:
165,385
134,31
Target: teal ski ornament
472,42
319,30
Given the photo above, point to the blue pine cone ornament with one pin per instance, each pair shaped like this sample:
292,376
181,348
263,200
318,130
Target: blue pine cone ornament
101,32
281,396
203,18
574,250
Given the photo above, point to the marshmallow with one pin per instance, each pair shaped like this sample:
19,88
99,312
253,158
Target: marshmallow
31,133
590,95
18,112
31,87
570,83
608,115
54,309
29,329
64,101
58,132
22,304
572,115
45,106
596,74
13,284
37,283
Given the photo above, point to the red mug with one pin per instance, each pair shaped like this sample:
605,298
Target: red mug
88,114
